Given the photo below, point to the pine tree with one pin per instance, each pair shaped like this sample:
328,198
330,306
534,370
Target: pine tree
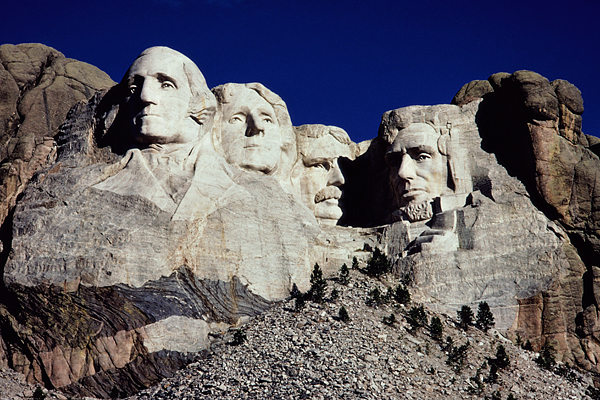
295,292
436,328
354,263
501,360
402,295
334,295
493,376
344,274
457,356
485,318
417,317
239,337
300,302
546,358
317,285
389,320
375,297
465,317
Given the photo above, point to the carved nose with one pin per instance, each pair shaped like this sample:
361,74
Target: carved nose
335,178
407,170
255,126
147,94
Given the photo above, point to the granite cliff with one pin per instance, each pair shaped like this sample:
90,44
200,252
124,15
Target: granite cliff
126,248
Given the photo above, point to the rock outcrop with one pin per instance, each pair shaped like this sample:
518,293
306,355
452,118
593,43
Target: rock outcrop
110,283
491,245
38,86
533,126
125,253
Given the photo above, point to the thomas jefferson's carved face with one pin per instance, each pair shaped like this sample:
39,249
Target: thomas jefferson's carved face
417,167
321,178
250,132
159,100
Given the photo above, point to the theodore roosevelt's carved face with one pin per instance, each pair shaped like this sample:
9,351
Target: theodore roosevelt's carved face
416,165
321,179
159,98
250,132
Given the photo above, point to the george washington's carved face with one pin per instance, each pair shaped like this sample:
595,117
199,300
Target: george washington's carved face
159,100
417,167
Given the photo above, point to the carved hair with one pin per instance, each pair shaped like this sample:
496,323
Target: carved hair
315,131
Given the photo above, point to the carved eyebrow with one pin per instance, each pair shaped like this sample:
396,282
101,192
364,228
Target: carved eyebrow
310,161
164,77
263,110
422,149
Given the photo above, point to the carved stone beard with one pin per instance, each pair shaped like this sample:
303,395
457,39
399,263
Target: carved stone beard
414,212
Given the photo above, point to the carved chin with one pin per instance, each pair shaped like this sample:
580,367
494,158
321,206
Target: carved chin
254,160
328,210
258,166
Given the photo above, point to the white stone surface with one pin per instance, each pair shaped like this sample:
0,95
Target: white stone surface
171,201
177,333
425,158
256,131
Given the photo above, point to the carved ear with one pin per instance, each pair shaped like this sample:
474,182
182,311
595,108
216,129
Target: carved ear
443,144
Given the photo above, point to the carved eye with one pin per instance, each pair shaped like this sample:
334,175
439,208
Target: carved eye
325,165
236,119
167,85
423,157
268,120
132,89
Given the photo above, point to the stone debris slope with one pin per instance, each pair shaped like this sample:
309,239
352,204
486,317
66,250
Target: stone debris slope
14,387
312,354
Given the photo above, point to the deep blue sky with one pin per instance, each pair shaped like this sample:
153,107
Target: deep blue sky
333,62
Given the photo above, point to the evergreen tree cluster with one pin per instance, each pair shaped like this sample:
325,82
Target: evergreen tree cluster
417,317
378,264
546,359
457,356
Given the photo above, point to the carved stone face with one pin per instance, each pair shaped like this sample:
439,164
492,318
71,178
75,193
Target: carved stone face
159,99
417,167
250,132
321,178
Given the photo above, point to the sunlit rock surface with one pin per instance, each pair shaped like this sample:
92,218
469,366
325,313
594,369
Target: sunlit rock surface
131,244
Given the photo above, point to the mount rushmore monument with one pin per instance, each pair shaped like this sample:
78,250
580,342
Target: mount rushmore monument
139,217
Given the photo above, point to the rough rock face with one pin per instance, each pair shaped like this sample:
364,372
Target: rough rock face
121,260
38,86
124,292
496,246
533,126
